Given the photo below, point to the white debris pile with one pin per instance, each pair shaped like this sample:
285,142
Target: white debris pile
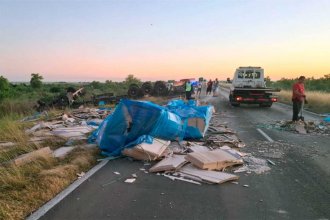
71,128
301,127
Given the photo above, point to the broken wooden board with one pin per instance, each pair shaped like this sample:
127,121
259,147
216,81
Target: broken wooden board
146,151
233,152
75,131
169,164
207,175
198,148
213,160
157,147
62,152
45,152
4,144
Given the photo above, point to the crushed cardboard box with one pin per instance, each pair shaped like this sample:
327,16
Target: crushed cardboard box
213,160
171,163
146,151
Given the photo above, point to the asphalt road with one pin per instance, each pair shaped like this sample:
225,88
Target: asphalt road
296,187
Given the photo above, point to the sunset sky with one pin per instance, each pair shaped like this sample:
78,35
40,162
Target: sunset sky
162,39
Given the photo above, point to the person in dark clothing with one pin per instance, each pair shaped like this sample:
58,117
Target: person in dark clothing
209,87
298,97
188,90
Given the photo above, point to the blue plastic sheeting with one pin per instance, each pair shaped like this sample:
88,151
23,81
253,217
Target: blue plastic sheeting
196,118
327,119
133,119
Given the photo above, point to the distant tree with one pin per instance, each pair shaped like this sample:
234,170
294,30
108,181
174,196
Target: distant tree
4,87
36,80
96,85
268,80
130,79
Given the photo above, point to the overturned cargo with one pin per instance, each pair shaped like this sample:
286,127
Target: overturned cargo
134,122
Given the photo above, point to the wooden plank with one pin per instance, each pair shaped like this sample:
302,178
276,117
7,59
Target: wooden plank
45,152
145,151
207,175
169,164
212,160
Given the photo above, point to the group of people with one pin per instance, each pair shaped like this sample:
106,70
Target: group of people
211,88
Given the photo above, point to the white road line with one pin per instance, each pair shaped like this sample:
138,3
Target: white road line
265,135
50,204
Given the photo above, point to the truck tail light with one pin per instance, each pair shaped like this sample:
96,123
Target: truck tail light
274,99
239,98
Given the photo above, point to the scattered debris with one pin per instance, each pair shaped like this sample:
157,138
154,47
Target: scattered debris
271,162
213,160
301,127
80,174
253,164
62,151
45,152
147,151
74,131
117,173
171,163
4,144
131,180
182,179
207,175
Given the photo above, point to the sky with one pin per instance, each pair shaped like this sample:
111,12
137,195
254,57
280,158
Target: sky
71,40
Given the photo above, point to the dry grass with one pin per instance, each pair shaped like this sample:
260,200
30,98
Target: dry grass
24,189
318,102
20,107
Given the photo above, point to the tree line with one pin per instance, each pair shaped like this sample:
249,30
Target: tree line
37,89
321,84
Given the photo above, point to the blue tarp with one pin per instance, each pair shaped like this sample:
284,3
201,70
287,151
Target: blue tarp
134,122
327,119
195,118
133,119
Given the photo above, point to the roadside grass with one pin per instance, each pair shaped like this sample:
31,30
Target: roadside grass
15,108
25,188
318,102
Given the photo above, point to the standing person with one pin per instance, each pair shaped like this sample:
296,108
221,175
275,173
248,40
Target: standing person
199,89
298,97
188,87
209,87
215,86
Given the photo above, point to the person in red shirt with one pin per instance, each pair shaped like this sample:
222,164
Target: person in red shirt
298,97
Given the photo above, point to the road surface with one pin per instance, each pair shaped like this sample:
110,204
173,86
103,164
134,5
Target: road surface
296,187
